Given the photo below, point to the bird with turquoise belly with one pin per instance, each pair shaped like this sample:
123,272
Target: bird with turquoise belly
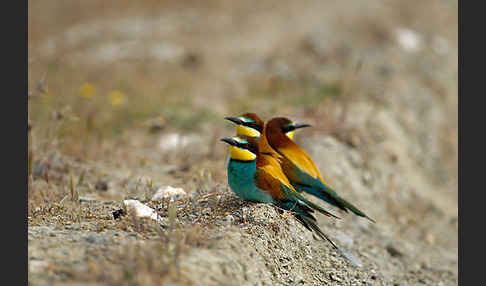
253,178
296,164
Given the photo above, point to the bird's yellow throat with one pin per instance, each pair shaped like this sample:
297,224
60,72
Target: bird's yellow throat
290,134
241,154
247,131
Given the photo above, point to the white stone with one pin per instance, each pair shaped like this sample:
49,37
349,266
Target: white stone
173,141
38,265
138,209
410,40
168,192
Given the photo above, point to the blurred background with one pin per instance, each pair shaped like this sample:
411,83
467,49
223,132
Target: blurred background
122,90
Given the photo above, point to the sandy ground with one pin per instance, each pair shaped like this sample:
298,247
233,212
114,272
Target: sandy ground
377,80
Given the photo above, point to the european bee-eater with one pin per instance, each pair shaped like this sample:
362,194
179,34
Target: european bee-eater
299,167
249,124
253,178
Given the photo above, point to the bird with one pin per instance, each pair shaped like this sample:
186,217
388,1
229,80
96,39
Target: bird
253,178
250,124
299,167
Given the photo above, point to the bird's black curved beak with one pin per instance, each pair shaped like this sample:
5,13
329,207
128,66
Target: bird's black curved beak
301,125
230,141
235,120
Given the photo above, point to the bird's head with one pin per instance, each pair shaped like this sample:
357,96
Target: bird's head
248,124
284,125
242,148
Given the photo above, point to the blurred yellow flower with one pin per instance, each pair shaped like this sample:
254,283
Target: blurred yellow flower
117,97
47,96
87,90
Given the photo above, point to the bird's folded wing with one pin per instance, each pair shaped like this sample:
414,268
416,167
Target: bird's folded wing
303,161
270,178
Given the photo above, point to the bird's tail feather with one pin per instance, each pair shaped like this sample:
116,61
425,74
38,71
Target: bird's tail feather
316,207
327,194
298,198
303,214
352,208
311,224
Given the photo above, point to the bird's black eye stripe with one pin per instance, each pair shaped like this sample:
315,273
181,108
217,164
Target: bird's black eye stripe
242,145
248,147
253,125
288,128
253,149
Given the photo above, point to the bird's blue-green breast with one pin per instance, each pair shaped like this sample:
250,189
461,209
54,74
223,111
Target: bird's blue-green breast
241,178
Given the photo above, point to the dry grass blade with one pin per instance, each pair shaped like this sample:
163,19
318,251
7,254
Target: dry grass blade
72,188
172,213
81,178
163,237
41,84
63,200
76,205
30,159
